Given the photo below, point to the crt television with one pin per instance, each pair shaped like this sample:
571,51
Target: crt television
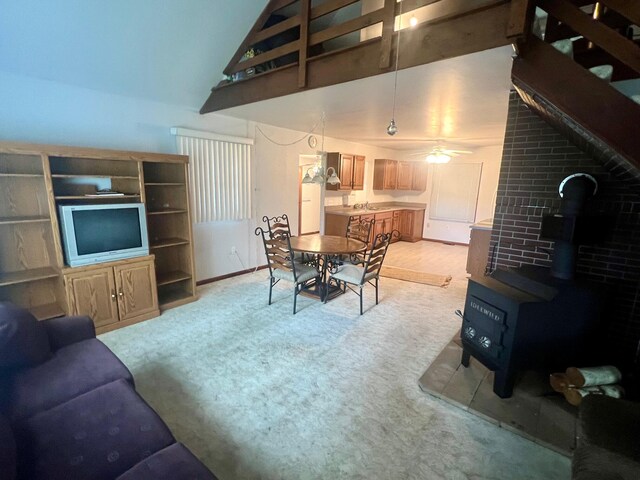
102,233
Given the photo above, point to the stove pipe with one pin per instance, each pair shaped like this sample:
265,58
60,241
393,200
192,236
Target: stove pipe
574,190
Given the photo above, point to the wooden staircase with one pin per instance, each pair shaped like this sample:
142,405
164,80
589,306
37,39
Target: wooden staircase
585,107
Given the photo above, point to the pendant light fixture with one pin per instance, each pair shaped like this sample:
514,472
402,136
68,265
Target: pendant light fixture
317,174
392,129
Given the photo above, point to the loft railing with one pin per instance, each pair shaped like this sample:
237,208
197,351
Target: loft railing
298,33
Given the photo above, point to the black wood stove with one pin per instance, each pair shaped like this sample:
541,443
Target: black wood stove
536,317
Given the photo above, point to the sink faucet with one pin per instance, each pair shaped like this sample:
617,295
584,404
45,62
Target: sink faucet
364,206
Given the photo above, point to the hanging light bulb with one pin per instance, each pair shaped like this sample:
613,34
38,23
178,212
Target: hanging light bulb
413,21
392,129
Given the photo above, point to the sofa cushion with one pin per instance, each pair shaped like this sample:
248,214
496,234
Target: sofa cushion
23,341
98,435
172,463
71,371
7,450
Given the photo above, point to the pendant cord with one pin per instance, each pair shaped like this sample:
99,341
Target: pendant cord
395,82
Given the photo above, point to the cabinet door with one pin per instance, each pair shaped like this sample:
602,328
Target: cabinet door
93,293
358,172
390,174
419,182
405,175
406,224
395,226
346,172
136,286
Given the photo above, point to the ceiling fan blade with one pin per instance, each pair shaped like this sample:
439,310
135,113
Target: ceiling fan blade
466,152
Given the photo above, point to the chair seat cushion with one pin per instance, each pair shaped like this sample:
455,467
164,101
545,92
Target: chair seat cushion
71,371
352,274
305,272
172,463
98,435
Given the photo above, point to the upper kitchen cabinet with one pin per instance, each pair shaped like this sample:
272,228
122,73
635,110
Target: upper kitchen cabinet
399,175
419,179
385,174
350,170
405,176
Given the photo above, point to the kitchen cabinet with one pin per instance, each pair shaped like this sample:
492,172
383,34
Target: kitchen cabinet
385,173
396,175
395,225
411,225
479,243
405,176
113,294
419,178
349,168
384,223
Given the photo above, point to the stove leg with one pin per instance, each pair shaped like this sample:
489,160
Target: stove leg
503,383
466,357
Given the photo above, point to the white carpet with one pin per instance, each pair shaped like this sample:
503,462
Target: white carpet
257,392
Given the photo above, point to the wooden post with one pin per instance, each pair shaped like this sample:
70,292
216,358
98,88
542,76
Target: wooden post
519,26
387,33
305,13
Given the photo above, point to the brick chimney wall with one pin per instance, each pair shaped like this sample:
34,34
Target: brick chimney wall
535,159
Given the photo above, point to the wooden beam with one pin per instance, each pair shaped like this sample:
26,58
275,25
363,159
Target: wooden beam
349,26
626,8
475,32
520,19
267,56
305,11
388,23
609,40
271,7
603,111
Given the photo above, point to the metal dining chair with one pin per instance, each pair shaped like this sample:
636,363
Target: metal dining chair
368,271
359,229
282,266
279,225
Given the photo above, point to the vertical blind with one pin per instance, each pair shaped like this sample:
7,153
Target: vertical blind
219,174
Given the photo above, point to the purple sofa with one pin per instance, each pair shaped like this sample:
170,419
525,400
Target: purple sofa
69,409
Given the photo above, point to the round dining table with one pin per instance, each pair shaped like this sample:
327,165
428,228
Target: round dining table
327,249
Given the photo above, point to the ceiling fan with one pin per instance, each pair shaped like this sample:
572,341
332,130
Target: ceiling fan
440,154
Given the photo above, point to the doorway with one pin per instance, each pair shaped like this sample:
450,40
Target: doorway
310,198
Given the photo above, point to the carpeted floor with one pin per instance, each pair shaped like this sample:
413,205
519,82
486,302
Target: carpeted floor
258,393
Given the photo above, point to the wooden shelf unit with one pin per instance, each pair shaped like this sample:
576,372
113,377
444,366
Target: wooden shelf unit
35,179
170,231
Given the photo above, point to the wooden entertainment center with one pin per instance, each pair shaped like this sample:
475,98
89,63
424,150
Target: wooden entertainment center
36,179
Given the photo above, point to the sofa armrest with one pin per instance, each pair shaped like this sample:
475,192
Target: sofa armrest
64,331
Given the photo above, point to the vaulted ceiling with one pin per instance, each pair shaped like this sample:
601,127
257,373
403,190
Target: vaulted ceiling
173,51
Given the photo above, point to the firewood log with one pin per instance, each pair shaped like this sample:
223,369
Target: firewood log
575,395
586,377
559,382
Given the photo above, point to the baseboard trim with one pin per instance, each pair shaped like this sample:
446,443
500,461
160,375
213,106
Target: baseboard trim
446,242
229,275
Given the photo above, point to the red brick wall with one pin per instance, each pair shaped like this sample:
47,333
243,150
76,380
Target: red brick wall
535,159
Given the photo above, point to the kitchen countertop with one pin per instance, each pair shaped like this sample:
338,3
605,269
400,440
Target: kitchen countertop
374,208
486,224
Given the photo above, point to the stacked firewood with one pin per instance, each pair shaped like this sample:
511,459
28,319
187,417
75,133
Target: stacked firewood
577,383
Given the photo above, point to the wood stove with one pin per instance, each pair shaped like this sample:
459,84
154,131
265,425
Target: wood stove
536,317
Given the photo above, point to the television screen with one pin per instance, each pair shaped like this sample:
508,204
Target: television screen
106,230
103,233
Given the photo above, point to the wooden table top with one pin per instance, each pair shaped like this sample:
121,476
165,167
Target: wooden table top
326,244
